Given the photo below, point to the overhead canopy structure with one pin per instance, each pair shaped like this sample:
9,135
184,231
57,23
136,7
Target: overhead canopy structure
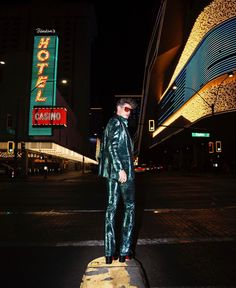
54,149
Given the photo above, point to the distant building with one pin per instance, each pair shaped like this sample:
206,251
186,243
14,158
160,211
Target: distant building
75,26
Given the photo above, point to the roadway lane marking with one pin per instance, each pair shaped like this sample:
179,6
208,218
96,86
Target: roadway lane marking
50,212
74,211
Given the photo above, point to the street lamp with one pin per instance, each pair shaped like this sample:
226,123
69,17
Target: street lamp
208,104
64,81
211,105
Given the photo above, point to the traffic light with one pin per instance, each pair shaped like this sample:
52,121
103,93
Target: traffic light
211,147
10,147
218,147
151,125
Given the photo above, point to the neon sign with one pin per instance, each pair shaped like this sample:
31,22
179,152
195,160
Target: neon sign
47,116
43,83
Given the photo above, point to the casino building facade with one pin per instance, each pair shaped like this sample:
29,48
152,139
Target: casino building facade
189,89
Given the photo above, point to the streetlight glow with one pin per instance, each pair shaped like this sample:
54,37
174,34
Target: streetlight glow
210,105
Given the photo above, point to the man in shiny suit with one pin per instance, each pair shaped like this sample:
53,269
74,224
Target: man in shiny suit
116,165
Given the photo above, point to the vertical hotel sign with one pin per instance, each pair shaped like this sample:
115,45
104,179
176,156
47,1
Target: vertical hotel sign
43,83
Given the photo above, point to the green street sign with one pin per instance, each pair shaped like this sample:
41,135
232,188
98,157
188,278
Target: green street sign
200,134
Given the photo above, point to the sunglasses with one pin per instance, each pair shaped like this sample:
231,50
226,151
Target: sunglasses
127,109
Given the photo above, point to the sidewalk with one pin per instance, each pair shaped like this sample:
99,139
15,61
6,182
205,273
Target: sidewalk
72,174
67,175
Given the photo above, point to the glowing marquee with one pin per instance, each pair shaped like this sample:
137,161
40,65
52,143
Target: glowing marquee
43,83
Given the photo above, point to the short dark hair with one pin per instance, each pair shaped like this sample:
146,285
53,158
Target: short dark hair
130,101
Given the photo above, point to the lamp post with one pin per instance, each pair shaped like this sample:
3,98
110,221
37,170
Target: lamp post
211,105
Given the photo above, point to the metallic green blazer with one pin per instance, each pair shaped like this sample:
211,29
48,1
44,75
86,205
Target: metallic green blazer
116,152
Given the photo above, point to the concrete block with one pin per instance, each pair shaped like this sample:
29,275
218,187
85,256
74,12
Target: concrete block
118,275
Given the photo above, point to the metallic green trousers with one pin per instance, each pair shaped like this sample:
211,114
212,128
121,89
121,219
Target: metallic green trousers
127,191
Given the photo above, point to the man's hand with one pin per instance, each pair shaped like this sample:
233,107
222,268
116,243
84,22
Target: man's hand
122,176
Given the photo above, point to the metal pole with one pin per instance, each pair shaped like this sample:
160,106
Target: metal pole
16,138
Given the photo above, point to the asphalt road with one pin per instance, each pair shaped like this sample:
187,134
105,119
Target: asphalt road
185,230
87,192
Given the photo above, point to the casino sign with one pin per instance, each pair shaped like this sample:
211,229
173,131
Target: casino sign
48,116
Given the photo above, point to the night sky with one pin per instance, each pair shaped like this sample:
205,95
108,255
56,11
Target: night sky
124,31
118,54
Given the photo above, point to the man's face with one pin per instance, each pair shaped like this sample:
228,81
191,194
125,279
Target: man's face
124,110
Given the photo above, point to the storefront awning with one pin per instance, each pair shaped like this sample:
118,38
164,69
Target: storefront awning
50,148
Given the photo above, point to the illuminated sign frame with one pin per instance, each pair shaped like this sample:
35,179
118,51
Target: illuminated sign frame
43,83
201,134
48,116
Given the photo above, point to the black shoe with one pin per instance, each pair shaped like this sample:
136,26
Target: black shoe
121,258
124,258
108,259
